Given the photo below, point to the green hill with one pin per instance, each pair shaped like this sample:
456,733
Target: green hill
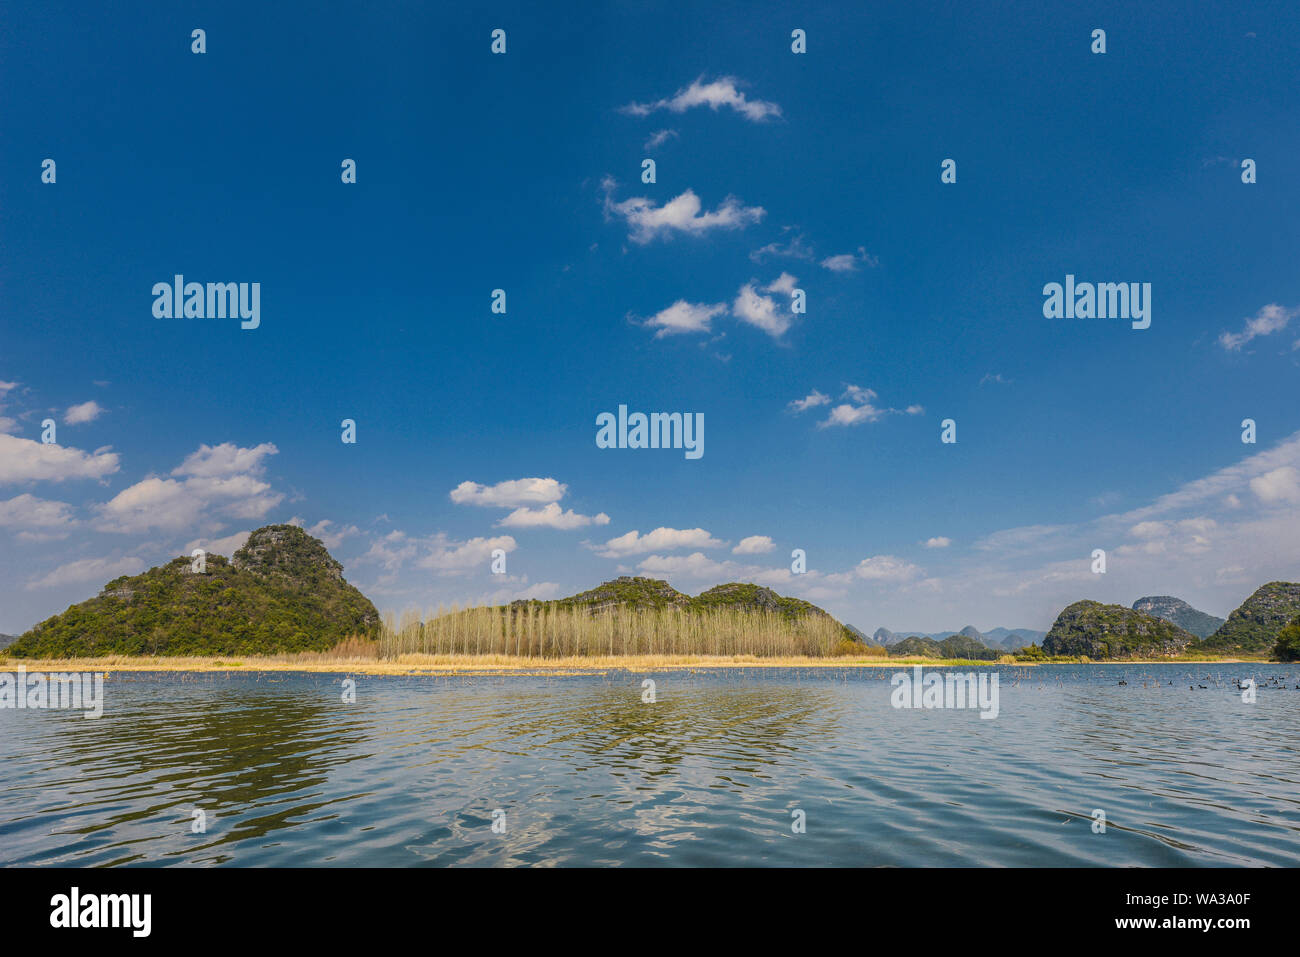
281,592
914,646
1113,631
1183,615
1254,627
964,646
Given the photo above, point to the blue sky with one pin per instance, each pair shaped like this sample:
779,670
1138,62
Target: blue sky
775,171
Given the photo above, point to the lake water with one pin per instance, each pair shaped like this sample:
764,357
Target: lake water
709,774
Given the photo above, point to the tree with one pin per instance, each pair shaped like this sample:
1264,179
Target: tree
1288,642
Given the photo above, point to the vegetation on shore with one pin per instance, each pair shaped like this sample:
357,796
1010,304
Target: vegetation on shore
1287,647
565,629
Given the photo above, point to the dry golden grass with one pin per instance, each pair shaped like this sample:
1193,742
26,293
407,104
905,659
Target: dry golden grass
538,631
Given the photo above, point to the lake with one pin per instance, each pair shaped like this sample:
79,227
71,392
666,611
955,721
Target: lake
579,771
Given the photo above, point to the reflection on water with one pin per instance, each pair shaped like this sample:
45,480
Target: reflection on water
287,774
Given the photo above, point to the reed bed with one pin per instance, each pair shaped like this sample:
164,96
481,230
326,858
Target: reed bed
537,630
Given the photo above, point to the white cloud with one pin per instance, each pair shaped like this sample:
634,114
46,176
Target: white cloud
754,545
809,401
222,482
783,283
659,138
391,552
796,248
1271,318
683,317
861,408
683,214
886,568
694,565
849,262
330,534
225,459
220,546
6,387
551,516
24,460
724,91
938,541
446,557
762,311
1210,541
95,570
28,511
1279,485
511,494
634,543
852,415
85,412
542,591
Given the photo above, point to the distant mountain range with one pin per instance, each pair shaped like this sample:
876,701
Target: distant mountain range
7,640
1002,640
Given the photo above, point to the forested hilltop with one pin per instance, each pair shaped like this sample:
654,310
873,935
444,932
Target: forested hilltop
282,592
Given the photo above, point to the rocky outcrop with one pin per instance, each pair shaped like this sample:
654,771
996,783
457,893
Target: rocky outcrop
1113,631
282,592
1180,613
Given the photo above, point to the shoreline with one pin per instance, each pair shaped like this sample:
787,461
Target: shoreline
495,665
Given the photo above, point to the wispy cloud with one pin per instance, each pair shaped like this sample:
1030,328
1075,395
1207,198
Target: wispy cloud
684,317
849,262
551,516
87,570
811,400
858,407
716,94
1270,319
659,138
510,494
661,539
682,215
